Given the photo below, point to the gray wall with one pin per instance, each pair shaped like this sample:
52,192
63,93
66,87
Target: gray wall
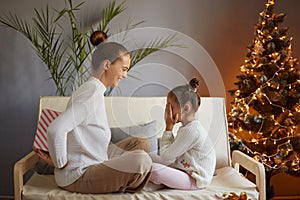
223,27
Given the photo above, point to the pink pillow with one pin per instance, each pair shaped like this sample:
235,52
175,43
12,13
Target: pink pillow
40,139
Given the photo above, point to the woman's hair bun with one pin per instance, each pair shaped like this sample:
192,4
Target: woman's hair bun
98,37
194,83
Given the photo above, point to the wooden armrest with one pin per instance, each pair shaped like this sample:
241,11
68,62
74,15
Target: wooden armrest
21,167
257,168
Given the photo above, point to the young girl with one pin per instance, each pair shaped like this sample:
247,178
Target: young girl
79,138
190,157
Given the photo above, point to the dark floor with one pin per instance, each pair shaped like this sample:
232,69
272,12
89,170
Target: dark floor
6,198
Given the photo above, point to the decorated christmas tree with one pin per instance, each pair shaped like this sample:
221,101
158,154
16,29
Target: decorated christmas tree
265,115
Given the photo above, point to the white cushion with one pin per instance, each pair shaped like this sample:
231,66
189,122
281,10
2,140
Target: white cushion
147,130
43,187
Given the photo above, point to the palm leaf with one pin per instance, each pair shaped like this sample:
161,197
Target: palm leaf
52,49
12,21
79,45
129,26
46,42
109,13
152,47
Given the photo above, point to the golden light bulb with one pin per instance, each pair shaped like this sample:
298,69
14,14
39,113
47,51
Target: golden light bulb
243,69
270,2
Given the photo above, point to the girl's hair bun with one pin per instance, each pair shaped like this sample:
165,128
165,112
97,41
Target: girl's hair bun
194,83
98,37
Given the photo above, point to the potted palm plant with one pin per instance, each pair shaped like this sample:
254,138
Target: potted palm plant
66,57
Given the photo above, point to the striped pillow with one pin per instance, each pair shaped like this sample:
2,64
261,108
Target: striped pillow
40,139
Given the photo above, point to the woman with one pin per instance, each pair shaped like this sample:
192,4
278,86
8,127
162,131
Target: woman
78,139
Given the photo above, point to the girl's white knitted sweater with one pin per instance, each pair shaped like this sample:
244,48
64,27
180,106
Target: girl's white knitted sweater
191,151
79,137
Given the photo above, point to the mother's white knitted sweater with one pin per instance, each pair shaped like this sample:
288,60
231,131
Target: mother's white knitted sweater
79,137
191,151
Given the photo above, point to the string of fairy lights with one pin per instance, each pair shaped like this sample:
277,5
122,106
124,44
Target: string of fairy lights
242,104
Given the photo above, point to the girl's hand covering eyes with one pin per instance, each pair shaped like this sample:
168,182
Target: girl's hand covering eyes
170,118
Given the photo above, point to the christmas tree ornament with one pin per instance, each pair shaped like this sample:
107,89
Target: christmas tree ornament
257,119
262,78
271,47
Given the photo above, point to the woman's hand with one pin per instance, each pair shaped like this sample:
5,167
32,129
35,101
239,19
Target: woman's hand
44,156
170,118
